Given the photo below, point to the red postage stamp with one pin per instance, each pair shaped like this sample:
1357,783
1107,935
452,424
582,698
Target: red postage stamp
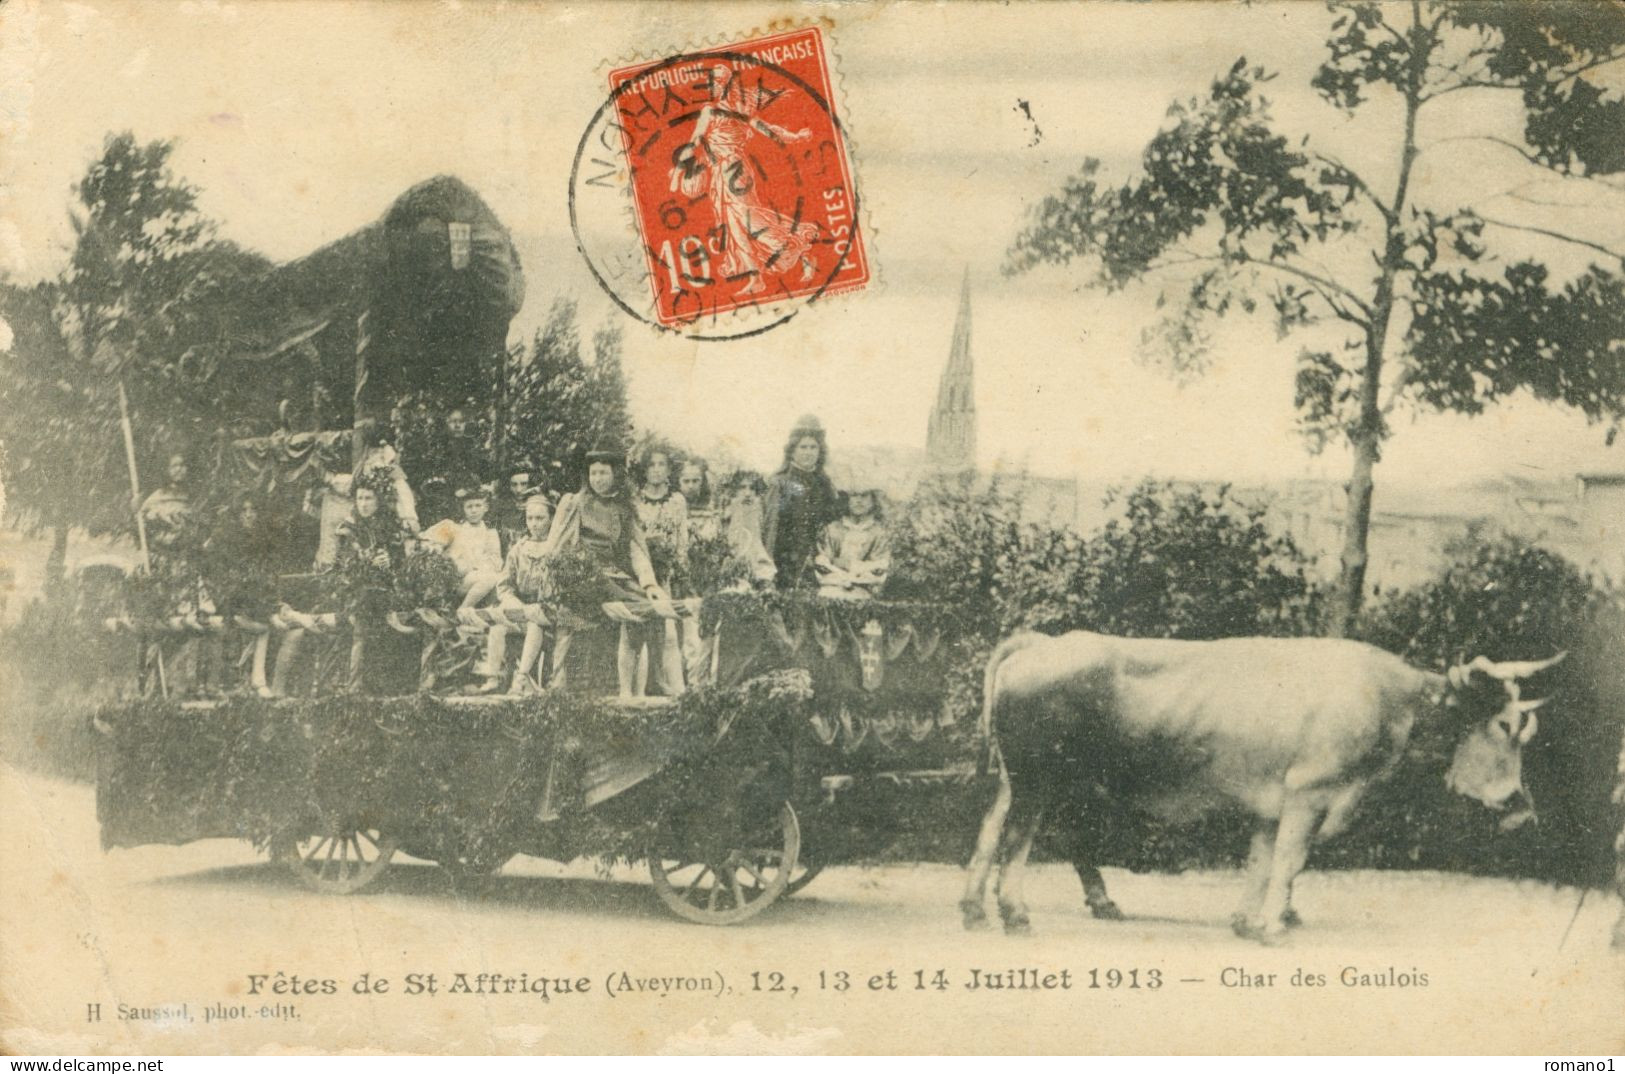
740,178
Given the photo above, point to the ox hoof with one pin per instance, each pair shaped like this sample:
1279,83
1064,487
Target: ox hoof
974,918
1253,930
1107,911
1290,919
1016,922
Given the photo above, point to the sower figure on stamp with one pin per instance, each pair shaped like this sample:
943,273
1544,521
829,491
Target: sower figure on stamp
758,239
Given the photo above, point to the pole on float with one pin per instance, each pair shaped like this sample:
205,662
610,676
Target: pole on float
135,476
140,521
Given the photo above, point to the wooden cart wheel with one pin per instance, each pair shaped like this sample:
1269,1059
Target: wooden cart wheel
806,871
739,884
337,863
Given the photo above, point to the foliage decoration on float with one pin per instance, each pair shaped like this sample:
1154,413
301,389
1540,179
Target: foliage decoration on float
444,777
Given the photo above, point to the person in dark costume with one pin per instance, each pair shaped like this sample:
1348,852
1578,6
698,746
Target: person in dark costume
240,560
370,550
458,464
508,505
800,502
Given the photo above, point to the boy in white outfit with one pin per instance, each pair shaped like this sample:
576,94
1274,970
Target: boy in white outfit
474,547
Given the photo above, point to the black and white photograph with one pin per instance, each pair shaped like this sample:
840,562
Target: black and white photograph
904,528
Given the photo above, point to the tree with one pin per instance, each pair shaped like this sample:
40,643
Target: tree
559,404
46,399
1233,216
606,389
143,302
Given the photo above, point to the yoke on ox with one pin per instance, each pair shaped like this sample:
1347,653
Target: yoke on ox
1292,730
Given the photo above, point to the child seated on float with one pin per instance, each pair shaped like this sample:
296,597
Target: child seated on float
473,546
524,578
854,552
370,549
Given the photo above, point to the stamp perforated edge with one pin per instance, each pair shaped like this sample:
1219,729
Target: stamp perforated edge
840,107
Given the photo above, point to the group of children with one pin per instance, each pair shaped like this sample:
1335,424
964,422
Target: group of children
633,524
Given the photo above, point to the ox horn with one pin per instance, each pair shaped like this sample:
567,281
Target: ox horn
1505,670
1522,669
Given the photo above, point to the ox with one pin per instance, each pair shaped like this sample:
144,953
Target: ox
1291,730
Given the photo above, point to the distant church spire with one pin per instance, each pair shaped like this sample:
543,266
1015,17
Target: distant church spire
950,438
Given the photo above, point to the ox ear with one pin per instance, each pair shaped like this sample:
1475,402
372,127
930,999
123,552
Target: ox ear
1522,737
1460,675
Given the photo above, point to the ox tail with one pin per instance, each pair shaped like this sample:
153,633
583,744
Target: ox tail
988,759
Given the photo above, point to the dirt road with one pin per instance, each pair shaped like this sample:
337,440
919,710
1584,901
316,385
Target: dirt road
187,944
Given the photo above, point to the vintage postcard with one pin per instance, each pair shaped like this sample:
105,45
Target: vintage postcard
583,527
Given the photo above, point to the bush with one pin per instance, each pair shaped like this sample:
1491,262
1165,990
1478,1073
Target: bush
57,663
1178,563
1188,564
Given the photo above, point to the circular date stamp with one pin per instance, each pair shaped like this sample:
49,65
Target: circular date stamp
712,194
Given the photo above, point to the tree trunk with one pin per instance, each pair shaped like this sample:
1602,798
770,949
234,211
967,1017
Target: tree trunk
1366,438
1356,531
56,563
1369,429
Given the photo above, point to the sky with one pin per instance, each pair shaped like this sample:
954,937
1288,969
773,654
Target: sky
301,121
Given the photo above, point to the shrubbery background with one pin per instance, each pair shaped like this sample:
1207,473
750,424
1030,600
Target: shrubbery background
1187,563
1173,562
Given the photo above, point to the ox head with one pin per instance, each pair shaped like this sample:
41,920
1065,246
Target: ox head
1488,763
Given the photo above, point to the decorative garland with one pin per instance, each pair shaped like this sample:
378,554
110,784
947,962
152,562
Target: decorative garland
713,565
574,582
427,579
450,779
757,607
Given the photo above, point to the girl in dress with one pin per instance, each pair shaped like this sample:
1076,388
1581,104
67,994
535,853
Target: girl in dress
663,514
694,482
600,520
704,524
